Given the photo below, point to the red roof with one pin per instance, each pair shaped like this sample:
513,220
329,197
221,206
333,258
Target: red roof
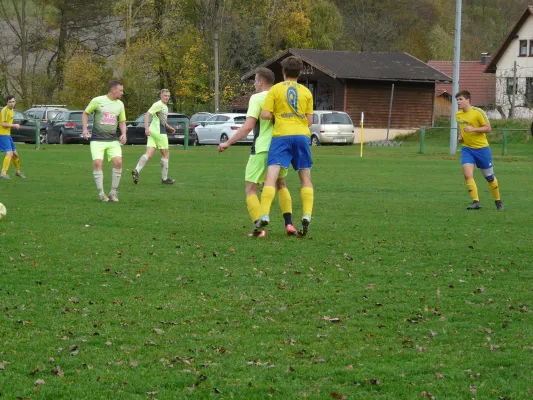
481,86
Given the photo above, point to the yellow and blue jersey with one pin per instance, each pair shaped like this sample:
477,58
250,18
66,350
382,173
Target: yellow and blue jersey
477,118
6,115
289,102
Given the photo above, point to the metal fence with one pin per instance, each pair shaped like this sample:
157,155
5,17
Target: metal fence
510,141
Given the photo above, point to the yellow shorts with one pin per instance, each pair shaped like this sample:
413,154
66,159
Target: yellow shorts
157,140
256,169
99,148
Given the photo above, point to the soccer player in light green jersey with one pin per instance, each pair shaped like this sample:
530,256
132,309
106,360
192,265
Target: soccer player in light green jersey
108,115
157,137
256,168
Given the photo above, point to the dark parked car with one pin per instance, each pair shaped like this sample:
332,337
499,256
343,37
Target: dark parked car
136,135
26,132
44,113
198,119
66,128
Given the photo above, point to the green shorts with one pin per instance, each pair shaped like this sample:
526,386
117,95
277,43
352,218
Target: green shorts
256,169
99,148
157,140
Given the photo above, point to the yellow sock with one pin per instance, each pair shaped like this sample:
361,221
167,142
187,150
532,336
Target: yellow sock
267,197
16,163
494,189
307,194
472,189
285,201
254,207
5,165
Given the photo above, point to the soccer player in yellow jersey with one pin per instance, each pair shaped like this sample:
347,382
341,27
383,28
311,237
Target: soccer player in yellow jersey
108,115
257,162
473,125
6,142
157,137
290,105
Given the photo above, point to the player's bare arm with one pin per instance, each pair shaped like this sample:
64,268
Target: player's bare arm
123,129
309,119
147,123
482,129
267,114
84,124
170,128
242,132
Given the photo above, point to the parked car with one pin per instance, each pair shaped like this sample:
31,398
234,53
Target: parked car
220,127
331,127
66,128
26,131
45,113
135,132
198,119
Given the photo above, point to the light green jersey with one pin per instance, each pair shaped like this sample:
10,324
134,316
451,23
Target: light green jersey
107,115
263,127
159,111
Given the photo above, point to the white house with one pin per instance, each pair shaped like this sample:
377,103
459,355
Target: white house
513,62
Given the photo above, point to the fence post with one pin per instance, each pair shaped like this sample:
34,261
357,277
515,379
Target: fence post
422,137
186,135
504,143
37,134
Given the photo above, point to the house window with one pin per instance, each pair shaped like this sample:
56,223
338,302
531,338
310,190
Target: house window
523,48
529,92
531,48
510,84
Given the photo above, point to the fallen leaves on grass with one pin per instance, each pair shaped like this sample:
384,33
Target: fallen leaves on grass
337,396
58,371
159,331
39,382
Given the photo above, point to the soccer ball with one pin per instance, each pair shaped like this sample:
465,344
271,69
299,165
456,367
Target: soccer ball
3,211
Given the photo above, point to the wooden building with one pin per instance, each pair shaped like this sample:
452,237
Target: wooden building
357,82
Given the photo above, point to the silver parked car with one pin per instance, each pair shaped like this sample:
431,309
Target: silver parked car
220,127
331,127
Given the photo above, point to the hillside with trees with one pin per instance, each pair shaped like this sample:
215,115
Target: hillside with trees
64,51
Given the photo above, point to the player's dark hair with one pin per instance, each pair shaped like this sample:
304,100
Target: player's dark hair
9,97
266,75
464,93
113,84
292,66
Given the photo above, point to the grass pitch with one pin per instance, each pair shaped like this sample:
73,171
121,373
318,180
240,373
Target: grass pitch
398,292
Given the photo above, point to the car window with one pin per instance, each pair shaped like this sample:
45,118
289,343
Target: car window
76,116
29,114
336,118
222,118
140,119
315,119
52,114
18,115
200,117
58,117
38,114
240,120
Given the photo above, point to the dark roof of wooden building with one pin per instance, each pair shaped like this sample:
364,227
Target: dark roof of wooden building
387,66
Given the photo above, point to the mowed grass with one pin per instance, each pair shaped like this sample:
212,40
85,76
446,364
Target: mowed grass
397,292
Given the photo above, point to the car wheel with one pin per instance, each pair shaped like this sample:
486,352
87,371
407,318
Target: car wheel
315,141
43,137
223,138
61,141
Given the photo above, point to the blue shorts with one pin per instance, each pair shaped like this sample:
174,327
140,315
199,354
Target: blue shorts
6,144
482,158
286,150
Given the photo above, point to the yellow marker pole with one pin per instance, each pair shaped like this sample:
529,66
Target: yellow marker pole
362,132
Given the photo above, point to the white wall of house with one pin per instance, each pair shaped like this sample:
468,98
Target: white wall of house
524,74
